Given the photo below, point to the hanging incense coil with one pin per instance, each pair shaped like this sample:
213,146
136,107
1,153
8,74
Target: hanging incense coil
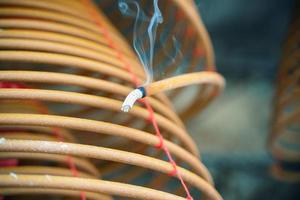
65,71
284,140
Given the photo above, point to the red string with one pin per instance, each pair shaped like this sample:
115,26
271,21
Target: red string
152,119
189,31
198,52
8,162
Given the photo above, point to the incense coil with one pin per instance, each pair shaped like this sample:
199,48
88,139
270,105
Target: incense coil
284,140
62,86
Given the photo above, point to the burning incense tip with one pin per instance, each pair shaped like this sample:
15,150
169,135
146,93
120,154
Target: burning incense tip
132,97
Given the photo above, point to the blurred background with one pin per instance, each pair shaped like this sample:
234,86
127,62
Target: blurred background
247,37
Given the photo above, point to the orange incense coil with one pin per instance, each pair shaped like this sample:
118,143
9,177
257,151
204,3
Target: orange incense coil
66,128
284,140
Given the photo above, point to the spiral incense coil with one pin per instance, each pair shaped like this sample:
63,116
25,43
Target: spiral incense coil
65,71
284,140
